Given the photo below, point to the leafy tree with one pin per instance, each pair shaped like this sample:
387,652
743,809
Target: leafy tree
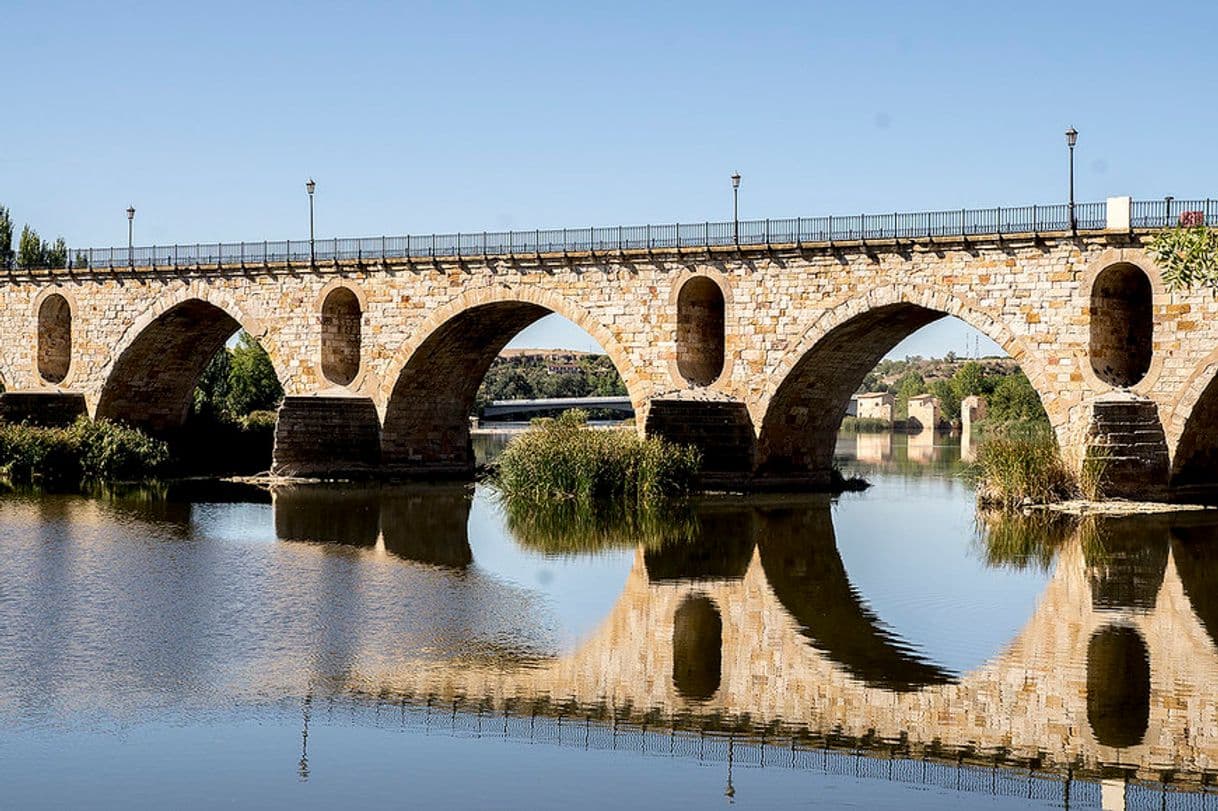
1014,400
253,385
211,392
55,255
236,382
30,249
6,238
908,385
949,402
969,379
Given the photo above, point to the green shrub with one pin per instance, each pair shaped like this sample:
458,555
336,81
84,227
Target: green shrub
84,451
864,425
261,419
1022,467
563,460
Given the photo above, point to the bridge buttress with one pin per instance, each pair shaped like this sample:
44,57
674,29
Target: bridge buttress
327,436
44,408
720,429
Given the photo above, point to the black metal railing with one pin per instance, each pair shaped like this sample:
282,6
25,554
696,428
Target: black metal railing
1034,219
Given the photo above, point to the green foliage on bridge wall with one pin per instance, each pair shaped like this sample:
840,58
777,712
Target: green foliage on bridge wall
1188,256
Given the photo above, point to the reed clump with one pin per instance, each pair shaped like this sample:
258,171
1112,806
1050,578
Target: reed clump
563,460
568,528
1017,468
86,451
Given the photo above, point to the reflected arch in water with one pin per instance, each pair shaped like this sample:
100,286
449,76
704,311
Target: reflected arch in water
799,556
1194,551
1118,686
697,648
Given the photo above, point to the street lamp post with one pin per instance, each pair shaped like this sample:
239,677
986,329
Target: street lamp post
1071,140
1167,206
736,208
131,237
310,186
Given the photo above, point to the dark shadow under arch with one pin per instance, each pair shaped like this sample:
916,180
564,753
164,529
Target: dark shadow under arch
151,384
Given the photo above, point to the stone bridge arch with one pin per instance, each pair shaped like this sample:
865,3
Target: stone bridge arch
428,389
1192,432
151,375
806,396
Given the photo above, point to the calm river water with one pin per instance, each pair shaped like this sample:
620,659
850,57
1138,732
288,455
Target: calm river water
219,645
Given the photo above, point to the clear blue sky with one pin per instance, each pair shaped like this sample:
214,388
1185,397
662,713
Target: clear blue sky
451,116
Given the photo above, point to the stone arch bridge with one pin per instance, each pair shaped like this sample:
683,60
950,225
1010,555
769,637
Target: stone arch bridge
750,350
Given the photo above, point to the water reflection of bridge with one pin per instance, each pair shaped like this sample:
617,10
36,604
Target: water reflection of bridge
756,622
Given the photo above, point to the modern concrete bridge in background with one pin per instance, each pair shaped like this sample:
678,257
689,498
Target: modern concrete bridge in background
749,349
503,408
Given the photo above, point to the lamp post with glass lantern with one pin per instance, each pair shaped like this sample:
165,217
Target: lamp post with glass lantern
1071,140
131,236
736,208
310,186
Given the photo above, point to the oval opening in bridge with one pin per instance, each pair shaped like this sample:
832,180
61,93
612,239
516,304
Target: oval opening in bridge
340,336
1118,686
54,338
1122,325
697,648
700,331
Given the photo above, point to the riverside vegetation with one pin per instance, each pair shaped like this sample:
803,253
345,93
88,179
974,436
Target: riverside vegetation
563,460
83,452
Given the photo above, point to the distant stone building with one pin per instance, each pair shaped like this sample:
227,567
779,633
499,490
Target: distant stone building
876,405
924,410
972,410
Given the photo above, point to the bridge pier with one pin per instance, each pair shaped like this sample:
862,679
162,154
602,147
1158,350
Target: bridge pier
1126,443
52,409
720,429
326,437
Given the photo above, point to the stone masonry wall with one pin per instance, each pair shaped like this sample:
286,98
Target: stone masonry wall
1033,297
